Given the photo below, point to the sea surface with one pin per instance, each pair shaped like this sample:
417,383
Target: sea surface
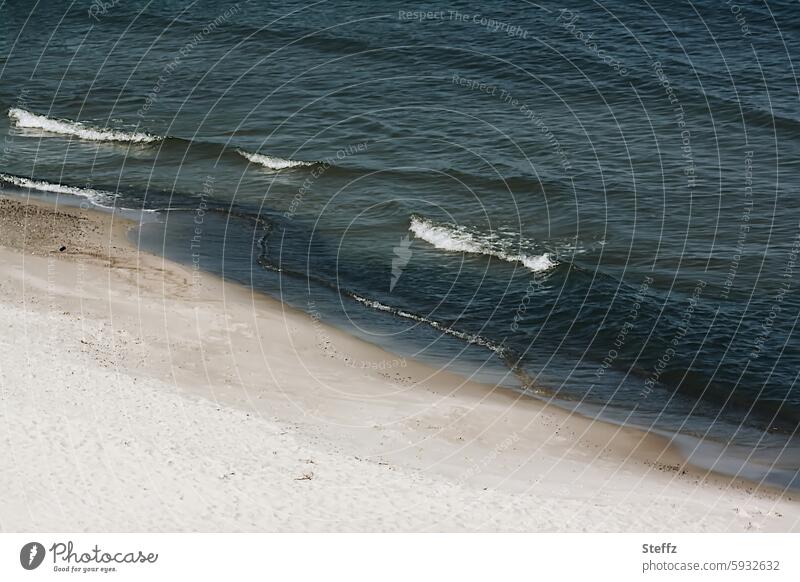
595,203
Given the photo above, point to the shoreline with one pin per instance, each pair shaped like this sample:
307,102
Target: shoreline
463,455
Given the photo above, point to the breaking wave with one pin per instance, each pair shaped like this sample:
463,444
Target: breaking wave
458,239
470,338
272,162
101,198
27,120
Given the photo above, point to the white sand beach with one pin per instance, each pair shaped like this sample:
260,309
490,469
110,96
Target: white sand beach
139,395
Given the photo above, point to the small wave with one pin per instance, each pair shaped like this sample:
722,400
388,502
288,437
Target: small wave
458,239
470,338
499,349
27,120
272,162
101,198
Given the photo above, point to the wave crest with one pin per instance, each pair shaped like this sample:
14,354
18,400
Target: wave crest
98,197
470,338
273,162
101,198
26,120
458,239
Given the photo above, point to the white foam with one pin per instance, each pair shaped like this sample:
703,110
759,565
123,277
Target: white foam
460,240
27,120
98,197
101,198
468,337
272,162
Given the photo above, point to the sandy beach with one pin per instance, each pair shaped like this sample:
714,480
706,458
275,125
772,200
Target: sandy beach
142,395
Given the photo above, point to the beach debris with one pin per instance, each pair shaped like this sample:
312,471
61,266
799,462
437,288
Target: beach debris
308,476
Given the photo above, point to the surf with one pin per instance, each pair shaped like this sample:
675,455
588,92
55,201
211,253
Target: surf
273,162
458,239
101,198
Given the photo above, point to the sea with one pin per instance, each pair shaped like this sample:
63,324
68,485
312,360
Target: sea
596,204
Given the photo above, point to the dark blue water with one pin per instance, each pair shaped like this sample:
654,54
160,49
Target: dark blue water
597,203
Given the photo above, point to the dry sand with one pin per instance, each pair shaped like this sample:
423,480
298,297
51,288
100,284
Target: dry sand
142,395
